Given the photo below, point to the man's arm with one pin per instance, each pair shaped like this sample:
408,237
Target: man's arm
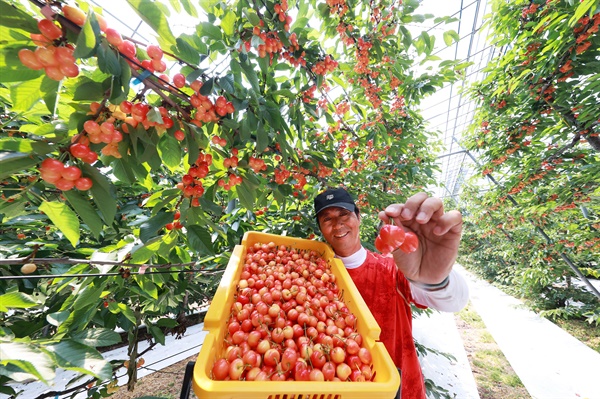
450,298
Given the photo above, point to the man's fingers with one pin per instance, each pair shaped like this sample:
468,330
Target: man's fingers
420,207
430,209
391,212
449,221
412,205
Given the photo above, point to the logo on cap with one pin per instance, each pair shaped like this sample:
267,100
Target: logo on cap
330,197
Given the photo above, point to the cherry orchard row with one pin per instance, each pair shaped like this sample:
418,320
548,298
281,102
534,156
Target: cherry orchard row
537,137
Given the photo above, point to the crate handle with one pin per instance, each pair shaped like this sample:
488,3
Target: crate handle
187,381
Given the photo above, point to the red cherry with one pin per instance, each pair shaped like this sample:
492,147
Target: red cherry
83,183
64,184
29,59
49,30
411,242
154,52
113,37
52,165
90,157
71,173
389,239
179,80
179,135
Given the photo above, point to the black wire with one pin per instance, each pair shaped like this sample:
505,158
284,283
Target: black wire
39,276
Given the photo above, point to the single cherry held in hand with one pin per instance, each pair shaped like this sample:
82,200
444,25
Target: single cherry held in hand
392,237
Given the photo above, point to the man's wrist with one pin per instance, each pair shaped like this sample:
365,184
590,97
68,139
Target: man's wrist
431,287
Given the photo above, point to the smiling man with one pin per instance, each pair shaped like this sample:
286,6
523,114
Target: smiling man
389,284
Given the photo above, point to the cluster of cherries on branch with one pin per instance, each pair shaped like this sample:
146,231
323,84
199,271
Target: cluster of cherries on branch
111,121
53,54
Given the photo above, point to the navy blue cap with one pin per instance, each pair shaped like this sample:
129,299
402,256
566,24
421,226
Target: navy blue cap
337,197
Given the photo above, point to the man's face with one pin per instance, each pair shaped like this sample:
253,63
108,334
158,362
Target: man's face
340,228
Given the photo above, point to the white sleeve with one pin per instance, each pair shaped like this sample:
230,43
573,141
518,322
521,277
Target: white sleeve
452,298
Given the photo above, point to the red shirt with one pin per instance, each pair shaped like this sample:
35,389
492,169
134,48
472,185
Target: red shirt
377,279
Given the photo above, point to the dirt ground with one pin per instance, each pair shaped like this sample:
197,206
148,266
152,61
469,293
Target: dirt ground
494,377
166,383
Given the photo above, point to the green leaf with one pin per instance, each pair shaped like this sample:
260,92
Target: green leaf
157,333
64,218
154,115
195,74
246,194
450,37
262,138
250,75
227,23
125,75
25,94
127,312
12,162
57,318
167,322
406,37
148,286
581,10
20,361
199,240
102,193
124,171
87,89
252,16
207,87
49,90
175,5
206,29
88,297
20,145
189,8
208,5
107,60
418,18
150,227
152,14
86,211
72,355
97,337
226,83
186,52
170,151
16,300
14,17
142,254
87,40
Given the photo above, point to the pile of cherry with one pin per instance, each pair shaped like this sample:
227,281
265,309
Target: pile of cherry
289,323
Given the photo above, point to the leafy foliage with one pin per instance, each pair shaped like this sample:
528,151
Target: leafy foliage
536,136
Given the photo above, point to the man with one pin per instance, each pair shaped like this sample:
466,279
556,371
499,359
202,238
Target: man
389,284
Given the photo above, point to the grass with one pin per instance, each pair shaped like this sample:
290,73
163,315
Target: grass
493,361
471,317
587,333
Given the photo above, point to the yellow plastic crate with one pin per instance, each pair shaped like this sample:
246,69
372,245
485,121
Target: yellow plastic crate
384,385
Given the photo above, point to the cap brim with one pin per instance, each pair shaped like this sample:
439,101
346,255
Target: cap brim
344,205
